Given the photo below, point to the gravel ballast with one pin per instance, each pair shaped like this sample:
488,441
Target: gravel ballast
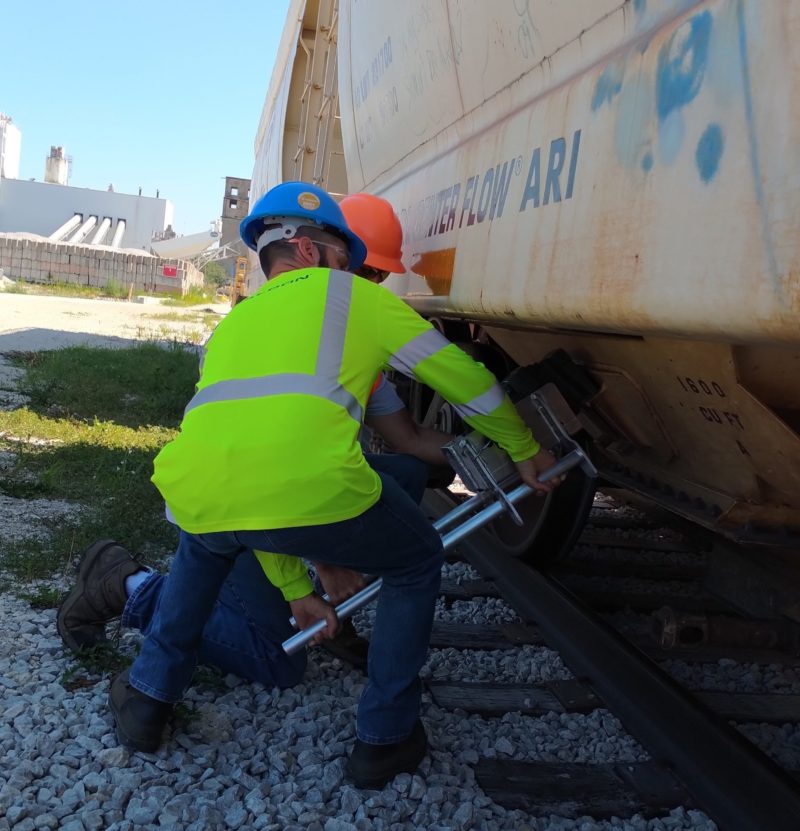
240,756
248,757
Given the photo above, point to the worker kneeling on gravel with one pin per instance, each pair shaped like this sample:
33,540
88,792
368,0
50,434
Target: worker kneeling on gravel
267,458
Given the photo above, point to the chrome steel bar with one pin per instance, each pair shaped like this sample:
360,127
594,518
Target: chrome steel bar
471,504
354,603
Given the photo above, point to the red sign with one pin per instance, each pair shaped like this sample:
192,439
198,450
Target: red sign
170,271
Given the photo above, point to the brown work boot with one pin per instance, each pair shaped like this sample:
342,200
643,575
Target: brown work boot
140,719
98,596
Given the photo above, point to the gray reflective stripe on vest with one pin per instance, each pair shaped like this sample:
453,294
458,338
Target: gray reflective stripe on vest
288,383
482,404
417,350
334,324
429,343
323,384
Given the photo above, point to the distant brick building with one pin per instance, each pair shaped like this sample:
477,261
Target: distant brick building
235,207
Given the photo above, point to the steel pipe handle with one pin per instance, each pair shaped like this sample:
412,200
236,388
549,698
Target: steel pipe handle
448,519
353,604
343,611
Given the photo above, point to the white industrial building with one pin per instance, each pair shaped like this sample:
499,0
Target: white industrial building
126,221
62,213
51,232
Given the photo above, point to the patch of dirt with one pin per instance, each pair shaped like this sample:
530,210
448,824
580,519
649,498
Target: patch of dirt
34,322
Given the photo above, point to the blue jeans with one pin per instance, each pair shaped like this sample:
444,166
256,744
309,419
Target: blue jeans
216,605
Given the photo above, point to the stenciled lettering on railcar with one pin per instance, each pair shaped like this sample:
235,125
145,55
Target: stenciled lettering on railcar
547,175
707,388
369,79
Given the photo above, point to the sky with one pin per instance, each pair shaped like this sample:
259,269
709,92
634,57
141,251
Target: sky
160,95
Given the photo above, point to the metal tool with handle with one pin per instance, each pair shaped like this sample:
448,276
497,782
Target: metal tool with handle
487,477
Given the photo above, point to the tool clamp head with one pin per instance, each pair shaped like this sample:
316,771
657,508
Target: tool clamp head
483,466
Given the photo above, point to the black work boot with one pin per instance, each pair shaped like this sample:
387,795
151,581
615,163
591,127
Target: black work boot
98,596
373,765
140,720
349,646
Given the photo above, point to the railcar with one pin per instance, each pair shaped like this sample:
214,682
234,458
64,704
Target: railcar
599,194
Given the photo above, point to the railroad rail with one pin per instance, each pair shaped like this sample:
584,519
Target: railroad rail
696,756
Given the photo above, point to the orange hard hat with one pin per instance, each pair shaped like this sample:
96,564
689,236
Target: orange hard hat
373,220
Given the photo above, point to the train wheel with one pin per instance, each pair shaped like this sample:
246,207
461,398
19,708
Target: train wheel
553,523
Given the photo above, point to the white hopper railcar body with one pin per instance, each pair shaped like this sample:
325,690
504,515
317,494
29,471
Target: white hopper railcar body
620,180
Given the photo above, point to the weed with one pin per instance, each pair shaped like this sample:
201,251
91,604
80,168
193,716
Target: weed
209,678
32,558
184,713
193,297
44,597
176,317
94,663
114,288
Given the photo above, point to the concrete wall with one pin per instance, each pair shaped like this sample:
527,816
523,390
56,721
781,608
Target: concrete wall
49,262
40,208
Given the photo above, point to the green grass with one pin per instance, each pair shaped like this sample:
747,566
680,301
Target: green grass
193,297
114,289
94,663
33,559
16,288
43,597
144,385
96,420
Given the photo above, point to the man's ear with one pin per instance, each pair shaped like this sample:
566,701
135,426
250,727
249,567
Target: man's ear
307,252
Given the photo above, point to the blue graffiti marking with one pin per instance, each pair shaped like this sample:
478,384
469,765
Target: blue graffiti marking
681,65
670,137
755,161
608,85
639,5
647,162
709,152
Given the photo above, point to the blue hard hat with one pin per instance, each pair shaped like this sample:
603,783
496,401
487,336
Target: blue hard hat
305,201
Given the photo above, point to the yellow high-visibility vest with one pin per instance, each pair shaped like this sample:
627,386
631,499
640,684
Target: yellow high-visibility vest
270,438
